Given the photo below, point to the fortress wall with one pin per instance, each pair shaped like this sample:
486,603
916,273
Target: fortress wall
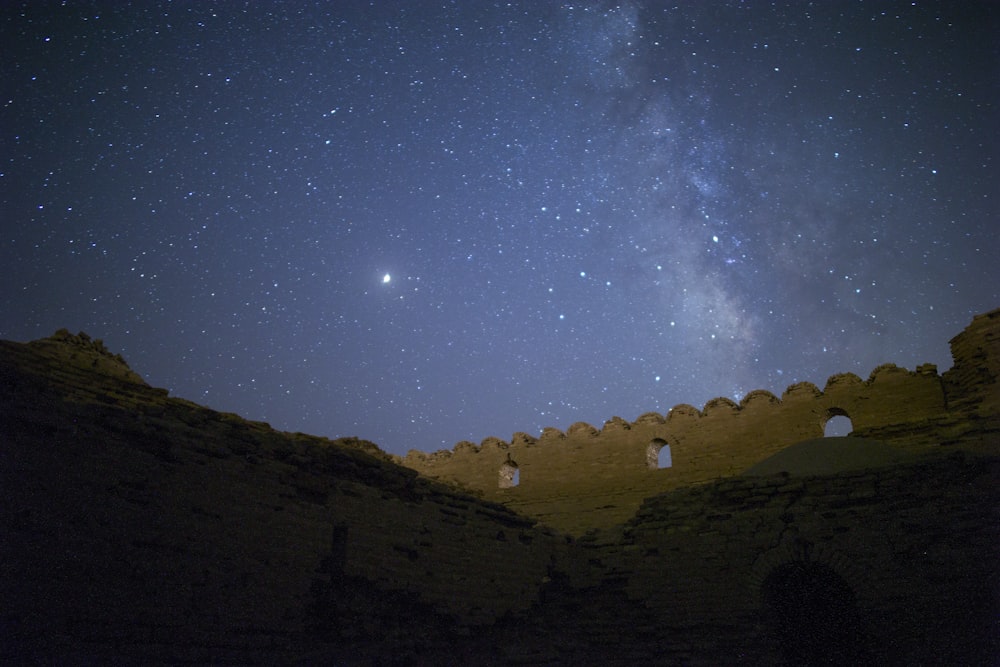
601,476
690,553
168,560
193,533
442,547
148,528
973,380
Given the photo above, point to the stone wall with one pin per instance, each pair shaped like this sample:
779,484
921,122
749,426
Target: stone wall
904,543
136,526
972,381
142,529
586,478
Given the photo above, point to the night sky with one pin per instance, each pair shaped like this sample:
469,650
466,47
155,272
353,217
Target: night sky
423,222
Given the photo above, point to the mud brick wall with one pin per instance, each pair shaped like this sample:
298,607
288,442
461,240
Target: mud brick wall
586,477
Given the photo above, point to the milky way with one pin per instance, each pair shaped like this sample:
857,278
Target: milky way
421,222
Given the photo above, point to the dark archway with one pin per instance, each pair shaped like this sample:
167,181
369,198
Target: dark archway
813,616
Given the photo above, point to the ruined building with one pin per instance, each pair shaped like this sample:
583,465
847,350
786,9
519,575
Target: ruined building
137,528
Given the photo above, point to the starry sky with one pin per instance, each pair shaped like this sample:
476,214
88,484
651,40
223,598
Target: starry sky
422,222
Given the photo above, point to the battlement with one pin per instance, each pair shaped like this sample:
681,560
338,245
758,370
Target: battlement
587,477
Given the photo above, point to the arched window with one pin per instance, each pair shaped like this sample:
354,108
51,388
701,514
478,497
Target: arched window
658,454
510,475
838,425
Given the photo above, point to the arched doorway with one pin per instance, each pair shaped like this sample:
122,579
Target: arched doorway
813,616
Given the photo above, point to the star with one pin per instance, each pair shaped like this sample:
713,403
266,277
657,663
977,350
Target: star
583,195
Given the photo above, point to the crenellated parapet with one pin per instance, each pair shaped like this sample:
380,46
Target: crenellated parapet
585,470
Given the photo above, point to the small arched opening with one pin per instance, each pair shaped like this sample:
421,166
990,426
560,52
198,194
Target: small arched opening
813,616
838,424
658,454
510,474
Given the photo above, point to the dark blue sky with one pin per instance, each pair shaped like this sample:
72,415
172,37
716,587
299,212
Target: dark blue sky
423,222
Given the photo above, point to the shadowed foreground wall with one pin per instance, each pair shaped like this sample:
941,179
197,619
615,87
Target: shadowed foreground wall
141,529
135,525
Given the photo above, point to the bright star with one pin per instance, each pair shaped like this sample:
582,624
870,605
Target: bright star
386,279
